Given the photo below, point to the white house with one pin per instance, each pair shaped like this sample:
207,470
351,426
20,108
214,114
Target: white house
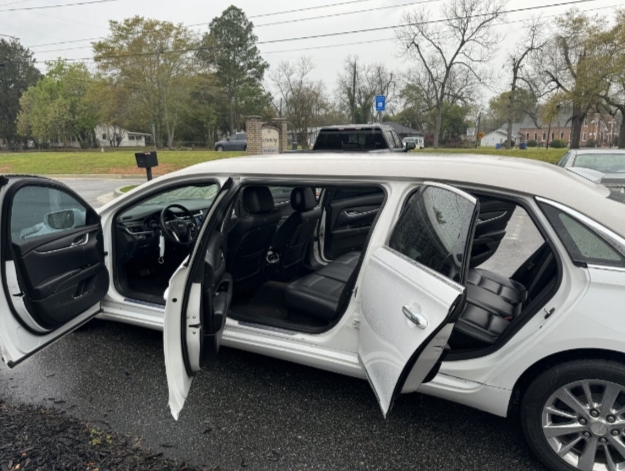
499,136
110,136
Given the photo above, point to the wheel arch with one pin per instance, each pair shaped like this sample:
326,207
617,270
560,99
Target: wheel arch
552,360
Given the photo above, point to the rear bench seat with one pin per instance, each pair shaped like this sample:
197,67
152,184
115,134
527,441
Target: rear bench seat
318,294
492,300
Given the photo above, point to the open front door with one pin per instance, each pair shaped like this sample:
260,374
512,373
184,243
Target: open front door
198,299
412,291
52,264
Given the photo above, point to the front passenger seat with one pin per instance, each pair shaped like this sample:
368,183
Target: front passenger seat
292,238
250,237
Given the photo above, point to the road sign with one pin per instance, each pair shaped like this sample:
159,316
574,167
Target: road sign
380,103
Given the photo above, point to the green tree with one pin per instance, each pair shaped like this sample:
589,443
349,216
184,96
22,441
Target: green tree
56,110
229,48
614,97
155,60
578,66
17,74
525,103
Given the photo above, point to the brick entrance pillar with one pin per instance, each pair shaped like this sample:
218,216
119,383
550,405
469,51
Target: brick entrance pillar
284,138
254,130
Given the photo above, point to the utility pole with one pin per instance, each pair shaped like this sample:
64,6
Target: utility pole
477,133
354,76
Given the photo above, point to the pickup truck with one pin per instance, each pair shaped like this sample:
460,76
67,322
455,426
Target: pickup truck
360,137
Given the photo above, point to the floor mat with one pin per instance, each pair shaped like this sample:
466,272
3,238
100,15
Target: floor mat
266,301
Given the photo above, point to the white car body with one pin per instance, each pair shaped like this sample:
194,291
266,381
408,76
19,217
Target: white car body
584,315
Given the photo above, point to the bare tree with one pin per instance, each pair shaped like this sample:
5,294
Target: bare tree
358,85
463,40
303,97
533,42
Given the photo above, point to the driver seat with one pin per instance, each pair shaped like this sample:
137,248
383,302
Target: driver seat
250,237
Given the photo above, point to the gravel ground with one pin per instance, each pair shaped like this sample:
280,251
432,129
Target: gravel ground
34,438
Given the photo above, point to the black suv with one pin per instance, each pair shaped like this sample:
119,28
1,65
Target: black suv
360,137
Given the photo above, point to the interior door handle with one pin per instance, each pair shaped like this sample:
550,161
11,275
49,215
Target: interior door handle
81,240
415,317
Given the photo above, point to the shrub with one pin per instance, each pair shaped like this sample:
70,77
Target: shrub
557,144
532,143
590,143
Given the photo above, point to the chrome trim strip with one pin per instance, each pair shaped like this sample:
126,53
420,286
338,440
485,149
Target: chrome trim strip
607,268
505,213
71,246
353,214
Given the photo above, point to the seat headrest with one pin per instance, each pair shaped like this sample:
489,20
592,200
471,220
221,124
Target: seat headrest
303,199
257,199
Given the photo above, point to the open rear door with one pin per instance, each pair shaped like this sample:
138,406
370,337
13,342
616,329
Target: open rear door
52,263
198,299
412,291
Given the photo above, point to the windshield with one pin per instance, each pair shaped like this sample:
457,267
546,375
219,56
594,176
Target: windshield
605,163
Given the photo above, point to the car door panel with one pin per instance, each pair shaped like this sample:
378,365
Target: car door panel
412,290
348,222
198,300
53,268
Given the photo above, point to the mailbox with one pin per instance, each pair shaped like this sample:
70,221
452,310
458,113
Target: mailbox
147,160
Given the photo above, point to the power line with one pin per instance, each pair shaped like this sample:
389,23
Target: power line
339,33
62,5
331,5
68,42
332,15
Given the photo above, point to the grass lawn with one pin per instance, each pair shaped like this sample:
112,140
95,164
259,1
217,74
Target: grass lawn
116,162
126,189
123,162
547,155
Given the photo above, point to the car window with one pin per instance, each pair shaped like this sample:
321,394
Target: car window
350,139
605,163
39,211
280,191
234,137
185,193
433,230
397,143
562,162
582,243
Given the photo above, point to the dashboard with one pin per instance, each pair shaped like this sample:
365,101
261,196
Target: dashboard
144,220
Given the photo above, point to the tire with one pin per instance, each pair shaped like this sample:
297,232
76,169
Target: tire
219,148
604,379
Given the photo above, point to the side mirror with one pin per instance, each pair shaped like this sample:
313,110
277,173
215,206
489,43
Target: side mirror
59,220
227,138
410,145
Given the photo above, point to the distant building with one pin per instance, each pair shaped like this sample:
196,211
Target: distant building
500,136
115,136
597,127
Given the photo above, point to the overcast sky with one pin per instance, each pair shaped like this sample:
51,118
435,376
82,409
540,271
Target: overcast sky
38,28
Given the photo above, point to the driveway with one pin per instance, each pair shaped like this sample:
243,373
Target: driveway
247,411
92,188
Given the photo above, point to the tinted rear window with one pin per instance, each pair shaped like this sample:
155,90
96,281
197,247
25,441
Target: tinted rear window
350,139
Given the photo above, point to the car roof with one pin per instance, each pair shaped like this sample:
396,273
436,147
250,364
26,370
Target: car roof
512,174
342,127
595,150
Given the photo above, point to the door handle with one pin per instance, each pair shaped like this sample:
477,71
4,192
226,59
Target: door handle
415,317
80,240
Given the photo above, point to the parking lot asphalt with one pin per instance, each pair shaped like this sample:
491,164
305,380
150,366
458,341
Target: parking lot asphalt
92,188
248,411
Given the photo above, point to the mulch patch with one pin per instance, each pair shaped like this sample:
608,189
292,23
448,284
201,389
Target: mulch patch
35,438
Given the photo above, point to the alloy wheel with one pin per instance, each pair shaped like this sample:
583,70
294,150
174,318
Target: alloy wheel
584,423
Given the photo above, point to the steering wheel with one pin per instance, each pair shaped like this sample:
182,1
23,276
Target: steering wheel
179,231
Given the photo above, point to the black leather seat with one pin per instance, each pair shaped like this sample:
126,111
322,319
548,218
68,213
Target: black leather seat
318,294
297,230
492,302
250,237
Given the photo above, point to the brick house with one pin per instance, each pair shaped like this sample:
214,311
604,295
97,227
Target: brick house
602,128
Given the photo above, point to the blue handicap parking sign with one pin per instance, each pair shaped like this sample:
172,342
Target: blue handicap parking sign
380,103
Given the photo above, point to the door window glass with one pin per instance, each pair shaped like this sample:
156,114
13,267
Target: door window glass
433,230
581,242
39,210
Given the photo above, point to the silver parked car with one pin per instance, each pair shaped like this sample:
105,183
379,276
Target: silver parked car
610,162
238,141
